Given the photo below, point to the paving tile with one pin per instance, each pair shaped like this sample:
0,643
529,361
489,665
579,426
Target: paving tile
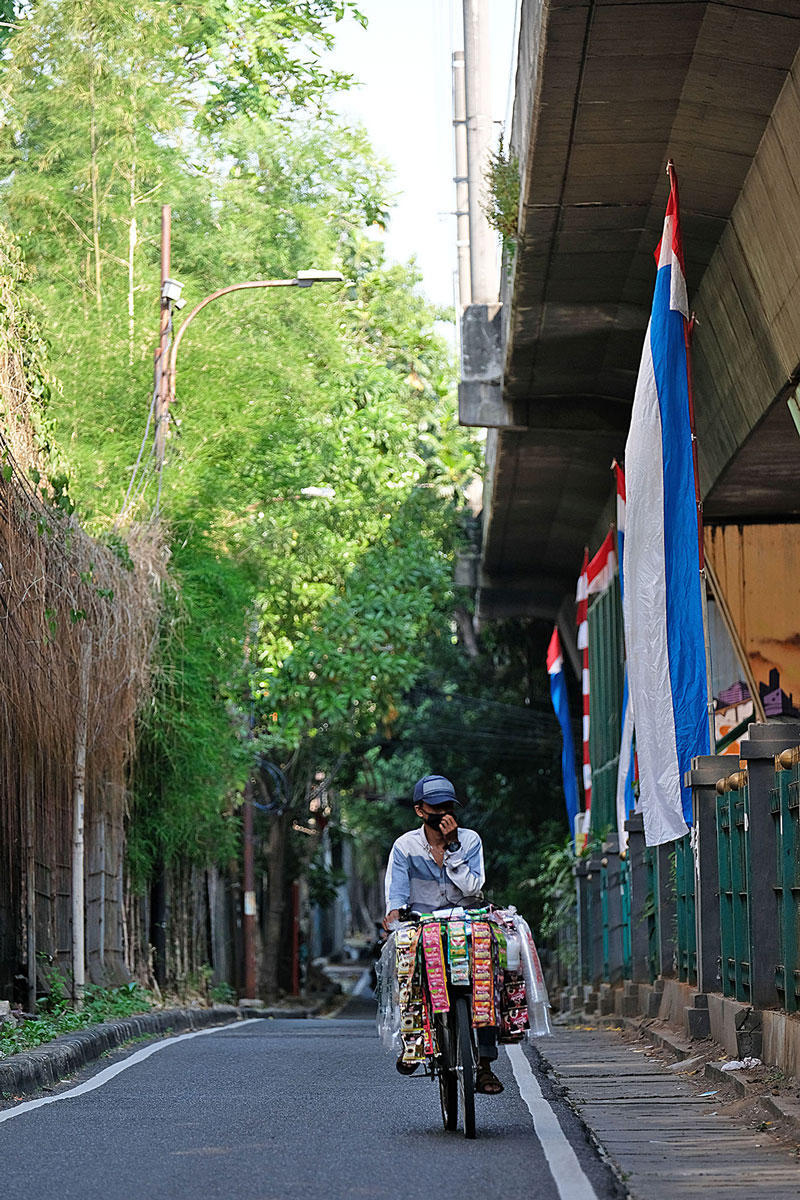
664,1138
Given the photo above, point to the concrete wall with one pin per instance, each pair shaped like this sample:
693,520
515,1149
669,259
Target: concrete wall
747,342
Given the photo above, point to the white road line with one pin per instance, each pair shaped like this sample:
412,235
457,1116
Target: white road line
562,1160
111,1072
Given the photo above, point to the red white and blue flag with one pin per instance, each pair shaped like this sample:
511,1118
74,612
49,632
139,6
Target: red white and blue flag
582,618
602,568
663,598
626,801
558,694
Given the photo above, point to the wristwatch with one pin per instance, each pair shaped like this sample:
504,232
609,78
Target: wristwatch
451,846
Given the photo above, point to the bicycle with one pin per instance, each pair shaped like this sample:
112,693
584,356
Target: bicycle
481,965
455,1062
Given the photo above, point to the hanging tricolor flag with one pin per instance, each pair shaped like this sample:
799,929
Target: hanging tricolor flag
602,568
558,694
619,480
663,599
625,770
582,618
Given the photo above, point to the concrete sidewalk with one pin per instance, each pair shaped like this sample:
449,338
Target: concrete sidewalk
666,1139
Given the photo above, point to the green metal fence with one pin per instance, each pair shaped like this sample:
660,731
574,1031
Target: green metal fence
785,808
734,886
625,899
684,893
651,913
606,672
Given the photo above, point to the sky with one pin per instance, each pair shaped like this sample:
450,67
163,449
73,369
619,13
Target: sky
403,60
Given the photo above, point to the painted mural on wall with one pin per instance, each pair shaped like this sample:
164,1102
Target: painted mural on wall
758,571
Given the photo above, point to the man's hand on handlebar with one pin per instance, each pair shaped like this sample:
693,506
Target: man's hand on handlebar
390,917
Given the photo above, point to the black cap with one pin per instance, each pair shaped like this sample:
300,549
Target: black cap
435,789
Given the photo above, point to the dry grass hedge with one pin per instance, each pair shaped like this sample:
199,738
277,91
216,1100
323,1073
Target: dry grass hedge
56,584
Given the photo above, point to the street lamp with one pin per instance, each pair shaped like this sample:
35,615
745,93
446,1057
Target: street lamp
170,298
303,279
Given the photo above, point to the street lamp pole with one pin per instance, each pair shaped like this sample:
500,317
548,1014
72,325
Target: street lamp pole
249,898
160,397
303,279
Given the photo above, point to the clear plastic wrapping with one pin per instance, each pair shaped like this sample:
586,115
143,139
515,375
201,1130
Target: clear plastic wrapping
388,996
535,987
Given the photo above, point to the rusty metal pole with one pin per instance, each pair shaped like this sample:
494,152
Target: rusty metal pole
249,917
296,938
30,887
162,374
78,809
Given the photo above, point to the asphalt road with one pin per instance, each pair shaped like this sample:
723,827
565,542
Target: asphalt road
278,1110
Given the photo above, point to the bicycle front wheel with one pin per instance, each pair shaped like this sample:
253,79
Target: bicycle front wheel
446,1070
465,1061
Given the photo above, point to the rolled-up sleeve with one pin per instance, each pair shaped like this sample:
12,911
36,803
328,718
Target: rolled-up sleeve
398,890
464,867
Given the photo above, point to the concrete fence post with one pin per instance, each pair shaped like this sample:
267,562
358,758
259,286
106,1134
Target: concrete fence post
595,921
640,966
584,945
614,957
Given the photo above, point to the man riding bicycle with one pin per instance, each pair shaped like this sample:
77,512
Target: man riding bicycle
438,866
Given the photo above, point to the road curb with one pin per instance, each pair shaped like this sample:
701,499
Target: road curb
30,1071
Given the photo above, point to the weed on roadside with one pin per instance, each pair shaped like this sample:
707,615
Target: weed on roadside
57,1015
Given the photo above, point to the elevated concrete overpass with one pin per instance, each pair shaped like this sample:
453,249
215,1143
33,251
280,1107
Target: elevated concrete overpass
607,91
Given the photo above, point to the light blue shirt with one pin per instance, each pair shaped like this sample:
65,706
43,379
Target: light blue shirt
415,880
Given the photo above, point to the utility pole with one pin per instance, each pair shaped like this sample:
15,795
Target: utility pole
161,382
482,241
461,180
295,938
78,809
249,915
30,886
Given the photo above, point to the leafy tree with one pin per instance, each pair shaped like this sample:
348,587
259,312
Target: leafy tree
294,628
485,721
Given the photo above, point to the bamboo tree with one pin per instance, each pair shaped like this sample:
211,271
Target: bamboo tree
350,390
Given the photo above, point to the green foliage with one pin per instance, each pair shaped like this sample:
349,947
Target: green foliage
8,16
485,722
189,760
323,881
221,993
56,1015
109,111
25,350
362,651
501,205
553,883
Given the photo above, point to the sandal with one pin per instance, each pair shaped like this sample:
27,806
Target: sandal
487,1083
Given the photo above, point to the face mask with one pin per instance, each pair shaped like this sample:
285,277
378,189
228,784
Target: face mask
435,820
